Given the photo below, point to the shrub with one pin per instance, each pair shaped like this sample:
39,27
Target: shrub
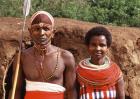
118,12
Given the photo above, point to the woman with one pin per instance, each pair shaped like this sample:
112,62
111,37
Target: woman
98,76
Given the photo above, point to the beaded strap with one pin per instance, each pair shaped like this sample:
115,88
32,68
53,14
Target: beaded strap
52,74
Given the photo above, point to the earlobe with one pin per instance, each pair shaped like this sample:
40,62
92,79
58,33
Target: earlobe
53,33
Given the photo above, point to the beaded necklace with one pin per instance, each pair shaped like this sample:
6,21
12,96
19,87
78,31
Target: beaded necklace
40,68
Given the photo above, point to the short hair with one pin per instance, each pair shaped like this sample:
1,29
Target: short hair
97,31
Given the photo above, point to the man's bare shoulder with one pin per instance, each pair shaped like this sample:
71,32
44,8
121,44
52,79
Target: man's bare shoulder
66,54
68,58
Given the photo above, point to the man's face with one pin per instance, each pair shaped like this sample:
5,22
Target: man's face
41,33
97,47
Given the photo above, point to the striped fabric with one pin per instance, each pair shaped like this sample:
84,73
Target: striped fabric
43,90
98,82
89,92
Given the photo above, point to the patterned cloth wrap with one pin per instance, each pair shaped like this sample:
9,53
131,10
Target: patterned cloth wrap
42,90
98,82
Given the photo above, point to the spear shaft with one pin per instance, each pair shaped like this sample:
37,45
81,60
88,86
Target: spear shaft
26,9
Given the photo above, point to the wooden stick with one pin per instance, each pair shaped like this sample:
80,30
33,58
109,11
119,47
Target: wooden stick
16,75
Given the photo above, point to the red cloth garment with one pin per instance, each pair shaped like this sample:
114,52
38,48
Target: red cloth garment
43,90
91,92
98,83
43,95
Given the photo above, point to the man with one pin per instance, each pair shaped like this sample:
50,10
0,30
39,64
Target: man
49,71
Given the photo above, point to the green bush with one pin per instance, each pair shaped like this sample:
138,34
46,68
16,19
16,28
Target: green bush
118,12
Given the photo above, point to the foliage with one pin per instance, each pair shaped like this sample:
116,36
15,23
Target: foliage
118,12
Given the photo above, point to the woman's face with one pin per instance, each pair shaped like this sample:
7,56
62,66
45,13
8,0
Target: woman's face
97,47
41,33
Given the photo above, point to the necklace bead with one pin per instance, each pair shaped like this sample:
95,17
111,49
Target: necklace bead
41,70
